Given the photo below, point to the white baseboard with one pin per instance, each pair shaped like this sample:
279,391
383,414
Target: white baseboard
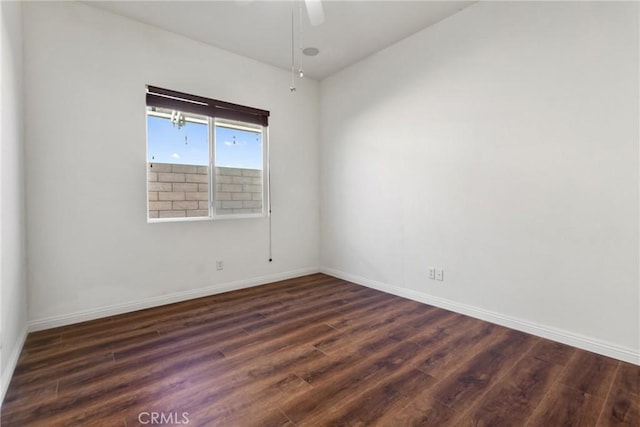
83,316
11,365
576,340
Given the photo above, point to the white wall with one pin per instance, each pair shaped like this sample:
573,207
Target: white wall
502,145
85,76
13,291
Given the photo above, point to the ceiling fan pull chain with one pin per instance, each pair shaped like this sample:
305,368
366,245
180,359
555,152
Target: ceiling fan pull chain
292,88
300,68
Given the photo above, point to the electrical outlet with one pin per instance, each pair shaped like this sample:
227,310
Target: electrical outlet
219,265
440,274
432,273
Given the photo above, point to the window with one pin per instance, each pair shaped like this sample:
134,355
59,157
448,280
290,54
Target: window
205,158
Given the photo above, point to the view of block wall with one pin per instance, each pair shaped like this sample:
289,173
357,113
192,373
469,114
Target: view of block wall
177,191
238,191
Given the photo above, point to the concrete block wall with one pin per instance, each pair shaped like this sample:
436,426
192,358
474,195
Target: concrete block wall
238,191
178,191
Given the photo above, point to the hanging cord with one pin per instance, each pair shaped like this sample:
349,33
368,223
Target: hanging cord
269,196
292,88
300,68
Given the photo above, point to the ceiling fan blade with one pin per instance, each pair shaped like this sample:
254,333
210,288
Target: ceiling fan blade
315,11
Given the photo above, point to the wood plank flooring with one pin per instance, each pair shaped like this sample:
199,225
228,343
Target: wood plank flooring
311,351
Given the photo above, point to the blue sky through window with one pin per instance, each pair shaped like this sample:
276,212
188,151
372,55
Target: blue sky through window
167,144
238,148
189,145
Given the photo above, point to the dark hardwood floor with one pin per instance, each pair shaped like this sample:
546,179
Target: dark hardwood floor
312,351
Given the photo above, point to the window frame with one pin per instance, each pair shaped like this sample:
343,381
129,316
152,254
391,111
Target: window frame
215,111
265,172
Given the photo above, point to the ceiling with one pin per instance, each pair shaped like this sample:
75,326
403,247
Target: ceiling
261,30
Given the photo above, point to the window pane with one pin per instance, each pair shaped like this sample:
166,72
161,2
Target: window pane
178,164
239,168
